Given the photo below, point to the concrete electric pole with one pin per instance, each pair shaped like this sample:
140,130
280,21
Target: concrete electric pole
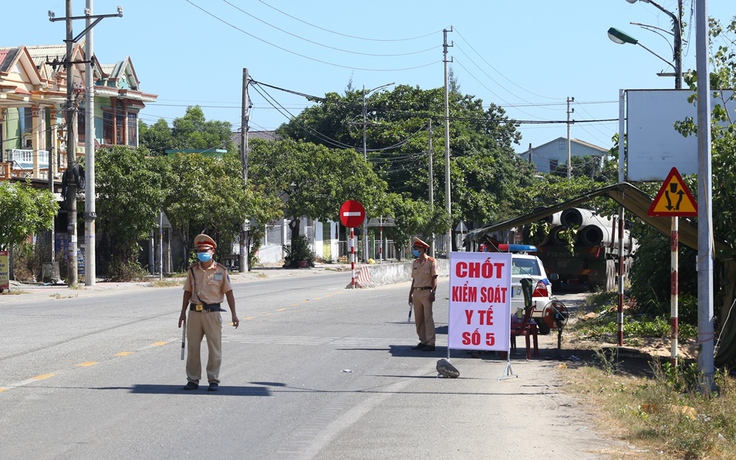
70,116
448,202
243,259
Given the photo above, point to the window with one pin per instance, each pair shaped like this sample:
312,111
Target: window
107,128
525,267
132,129
120,129
553,165
81,125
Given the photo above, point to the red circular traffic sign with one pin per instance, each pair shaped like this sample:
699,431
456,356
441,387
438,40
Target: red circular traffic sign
352,214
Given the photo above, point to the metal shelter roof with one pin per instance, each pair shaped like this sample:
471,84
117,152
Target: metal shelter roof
627,195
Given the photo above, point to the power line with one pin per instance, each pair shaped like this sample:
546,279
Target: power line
322,44
497,71
302,55
351,36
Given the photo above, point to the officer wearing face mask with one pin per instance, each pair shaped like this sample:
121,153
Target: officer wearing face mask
207,284
421,294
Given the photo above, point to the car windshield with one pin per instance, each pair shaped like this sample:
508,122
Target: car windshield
524,267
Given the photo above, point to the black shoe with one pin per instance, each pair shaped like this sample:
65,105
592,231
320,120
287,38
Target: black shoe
191,386
213,386
428,348
419,347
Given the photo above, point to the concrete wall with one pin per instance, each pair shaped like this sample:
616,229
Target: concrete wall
389,273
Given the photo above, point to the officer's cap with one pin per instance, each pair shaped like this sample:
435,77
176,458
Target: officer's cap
420,243
204,240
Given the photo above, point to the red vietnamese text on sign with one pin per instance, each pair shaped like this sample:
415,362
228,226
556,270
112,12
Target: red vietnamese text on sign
480,304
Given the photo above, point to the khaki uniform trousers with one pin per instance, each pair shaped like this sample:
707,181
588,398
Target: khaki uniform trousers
423,316
200,324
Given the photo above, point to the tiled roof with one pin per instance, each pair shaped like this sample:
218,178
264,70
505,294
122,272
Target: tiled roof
7,57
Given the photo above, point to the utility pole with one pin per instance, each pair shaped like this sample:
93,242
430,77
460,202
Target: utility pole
431,178
243,265
71,144
90,269
569,150
71,148
448,202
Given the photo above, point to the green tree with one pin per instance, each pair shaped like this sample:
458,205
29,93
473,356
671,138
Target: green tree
204,194
723,150
157,137
312,180
130,198
26,211
414,218
485,171
193,131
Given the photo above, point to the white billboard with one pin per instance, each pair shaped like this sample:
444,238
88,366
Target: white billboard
654,147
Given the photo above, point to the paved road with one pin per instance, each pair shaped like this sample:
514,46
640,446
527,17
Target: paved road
314,372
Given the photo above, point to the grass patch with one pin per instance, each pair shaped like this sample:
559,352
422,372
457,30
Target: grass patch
13,292
61,296
167,282
663,410
665,415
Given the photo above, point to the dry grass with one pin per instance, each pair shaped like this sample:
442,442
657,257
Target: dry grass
637,396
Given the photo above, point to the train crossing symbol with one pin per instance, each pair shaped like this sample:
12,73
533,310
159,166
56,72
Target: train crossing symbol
674,198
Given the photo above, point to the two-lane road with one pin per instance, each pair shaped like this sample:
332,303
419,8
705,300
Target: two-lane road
314,371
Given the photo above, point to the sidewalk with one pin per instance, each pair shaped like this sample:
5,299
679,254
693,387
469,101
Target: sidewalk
24,290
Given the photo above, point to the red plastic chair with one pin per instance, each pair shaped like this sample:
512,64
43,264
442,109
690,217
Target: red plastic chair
526,326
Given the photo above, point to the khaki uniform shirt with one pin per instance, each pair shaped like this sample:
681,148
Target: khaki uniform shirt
208,286
423,274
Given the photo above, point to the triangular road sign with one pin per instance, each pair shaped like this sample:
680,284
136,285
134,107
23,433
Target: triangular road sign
674,198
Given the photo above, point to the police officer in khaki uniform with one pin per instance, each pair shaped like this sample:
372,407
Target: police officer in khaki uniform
208,283
421,294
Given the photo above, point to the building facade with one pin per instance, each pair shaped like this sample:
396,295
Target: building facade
550,155
33,98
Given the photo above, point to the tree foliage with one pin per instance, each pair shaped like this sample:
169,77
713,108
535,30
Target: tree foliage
485,172
190,132
193,131
25,211
204,194
313,180
157,137
130,198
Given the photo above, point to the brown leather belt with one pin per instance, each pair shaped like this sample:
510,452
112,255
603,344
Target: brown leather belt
423,288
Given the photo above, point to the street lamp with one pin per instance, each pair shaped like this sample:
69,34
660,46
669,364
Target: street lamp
365,122
365,158
621,38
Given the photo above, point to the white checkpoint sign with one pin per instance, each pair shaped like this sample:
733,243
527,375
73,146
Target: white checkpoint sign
480,301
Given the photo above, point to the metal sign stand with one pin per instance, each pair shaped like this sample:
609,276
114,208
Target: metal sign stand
508,372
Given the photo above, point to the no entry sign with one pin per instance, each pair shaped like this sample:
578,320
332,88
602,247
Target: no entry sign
352,214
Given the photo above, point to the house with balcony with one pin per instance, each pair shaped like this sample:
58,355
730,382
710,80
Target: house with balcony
33,96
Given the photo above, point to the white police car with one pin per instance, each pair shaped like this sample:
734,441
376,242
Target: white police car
525,265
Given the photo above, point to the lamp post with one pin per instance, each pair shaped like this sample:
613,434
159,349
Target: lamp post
365,122
621,38
365,157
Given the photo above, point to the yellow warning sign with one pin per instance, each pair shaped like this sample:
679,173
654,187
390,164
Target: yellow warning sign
674,198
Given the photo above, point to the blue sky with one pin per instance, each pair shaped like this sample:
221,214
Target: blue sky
527,56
